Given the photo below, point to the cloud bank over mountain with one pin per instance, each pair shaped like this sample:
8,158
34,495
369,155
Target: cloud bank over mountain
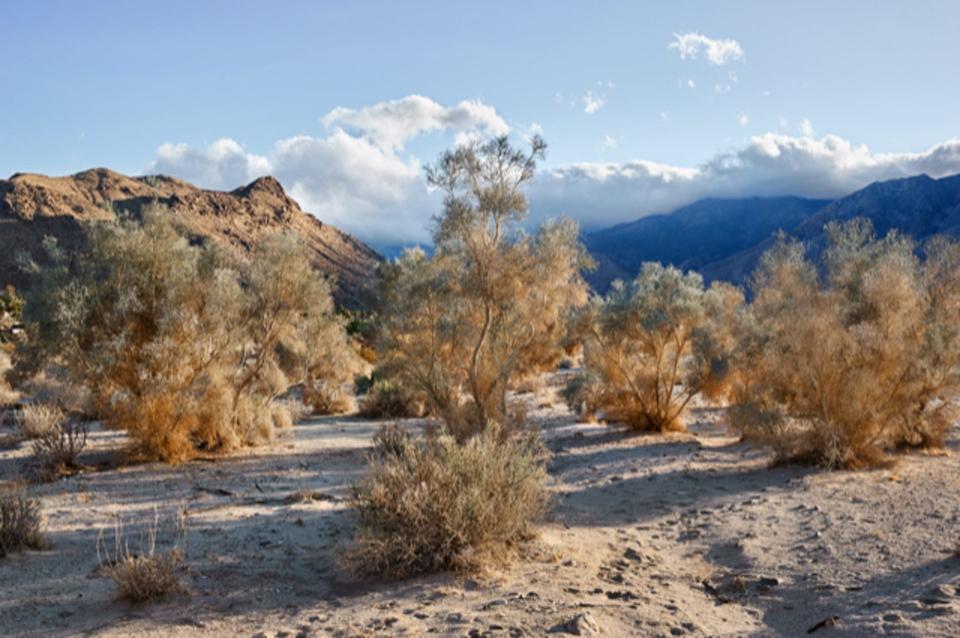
360,176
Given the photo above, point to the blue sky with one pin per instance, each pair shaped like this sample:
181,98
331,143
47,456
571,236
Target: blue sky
812,98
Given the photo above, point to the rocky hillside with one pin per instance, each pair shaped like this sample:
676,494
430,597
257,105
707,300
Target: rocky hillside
32,206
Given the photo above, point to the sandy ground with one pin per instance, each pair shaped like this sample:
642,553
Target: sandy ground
690,534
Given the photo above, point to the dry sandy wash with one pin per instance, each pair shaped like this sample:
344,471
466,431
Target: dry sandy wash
681,535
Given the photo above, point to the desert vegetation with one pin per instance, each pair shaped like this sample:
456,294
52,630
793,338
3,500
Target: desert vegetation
151,573
652,345
179,344
437,504
487,309
19,521
844,365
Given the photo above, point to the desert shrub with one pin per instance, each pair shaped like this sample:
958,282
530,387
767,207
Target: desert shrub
55,450
8,396
178,344
488,307
11,311
37,419
388,400
846,364
19,522
150,574
653,344
435,505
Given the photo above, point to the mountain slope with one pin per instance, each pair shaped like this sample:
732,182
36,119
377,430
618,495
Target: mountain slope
690,237
917,206
32,206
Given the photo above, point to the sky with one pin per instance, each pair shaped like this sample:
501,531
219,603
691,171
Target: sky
645,106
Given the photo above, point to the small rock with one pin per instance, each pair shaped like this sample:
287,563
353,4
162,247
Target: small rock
893,617
456,617
579,625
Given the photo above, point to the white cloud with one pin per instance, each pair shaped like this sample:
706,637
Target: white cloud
806,127
718,52
665,116
691,84
224,164
593,102
770,165
363,183
608,142
743,120
390,124
355,177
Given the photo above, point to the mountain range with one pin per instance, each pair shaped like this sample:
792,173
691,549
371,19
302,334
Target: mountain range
33,206
723,239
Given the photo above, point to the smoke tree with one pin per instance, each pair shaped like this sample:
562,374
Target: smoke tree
844,365
653,344
488,307
176,342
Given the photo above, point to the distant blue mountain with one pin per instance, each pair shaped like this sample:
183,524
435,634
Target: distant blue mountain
694,236
920,207
723,239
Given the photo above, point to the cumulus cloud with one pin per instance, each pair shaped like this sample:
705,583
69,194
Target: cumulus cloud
743,119
717,52
593,102
223,164
770,165
359,177
391,124
355,177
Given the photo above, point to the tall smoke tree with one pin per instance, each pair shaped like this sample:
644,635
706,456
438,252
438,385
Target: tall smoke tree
488,308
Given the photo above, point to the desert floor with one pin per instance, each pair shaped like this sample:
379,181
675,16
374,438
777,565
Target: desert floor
682,535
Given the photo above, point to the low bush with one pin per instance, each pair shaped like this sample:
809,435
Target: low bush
55,451
653,344
436,505
388,400
844,365
19,522
35,420
8,396
150,574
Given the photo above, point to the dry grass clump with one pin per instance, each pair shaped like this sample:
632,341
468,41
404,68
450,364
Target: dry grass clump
387,400
437,505
35,420
19,522
8,396
487,308
179,344
149,575
330,398
843,366
55,451
652,345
